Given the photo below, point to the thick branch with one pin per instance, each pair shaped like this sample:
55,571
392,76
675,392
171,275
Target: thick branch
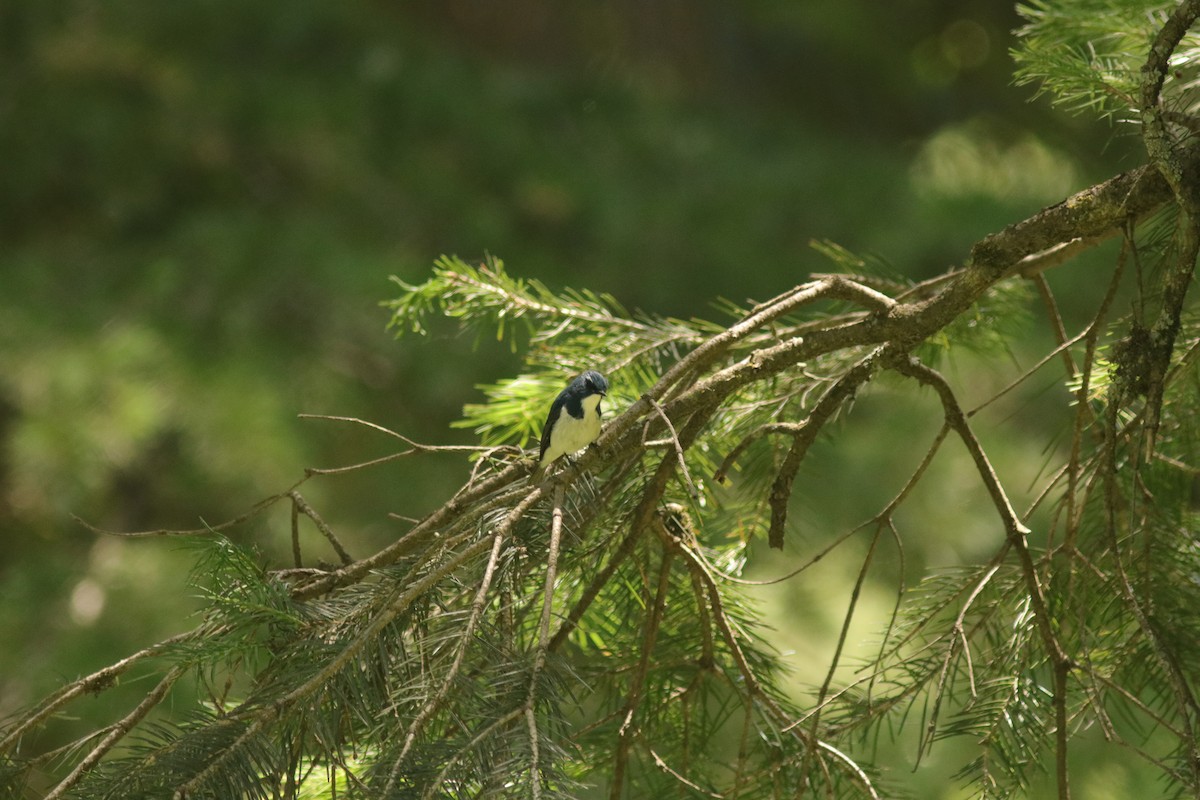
1098,211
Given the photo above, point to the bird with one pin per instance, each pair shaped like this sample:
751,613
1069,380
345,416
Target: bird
574,419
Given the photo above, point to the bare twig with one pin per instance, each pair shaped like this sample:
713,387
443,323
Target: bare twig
415,447
654,613
117,733
254,511
1016,532
678,447
956,418
464,641
838,395
96,682
815,731
662,764
543,640
298,502
1056,322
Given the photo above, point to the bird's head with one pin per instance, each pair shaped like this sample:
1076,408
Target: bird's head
592,382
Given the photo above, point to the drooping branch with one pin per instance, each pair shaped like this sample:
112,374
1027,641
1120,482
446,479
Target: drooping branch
805,434
1016,531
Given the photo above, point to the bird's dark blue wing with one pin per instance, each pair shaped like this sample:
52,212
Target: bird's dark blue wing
551,418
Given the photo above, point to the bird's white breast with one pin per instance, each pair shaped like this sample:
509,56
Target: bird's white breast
570,435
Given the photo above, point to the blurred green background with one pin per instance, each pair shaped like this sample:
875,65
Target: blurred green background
201,202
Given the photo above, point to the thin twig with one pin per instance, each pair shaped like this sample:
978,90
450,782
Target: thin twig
654,614
691,487
464,641
1056,321
417,447
662,764
326,531
118,732
254,511
96,682
815,731
1082,398
543,640
1063,349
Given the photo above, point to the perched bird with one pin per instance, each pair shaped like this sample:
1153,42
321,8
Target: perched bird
574,419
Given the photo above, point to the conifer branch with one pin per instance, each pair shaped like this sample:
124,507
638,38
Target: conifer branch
1016,530
402,628
1169,160
486,733
958,643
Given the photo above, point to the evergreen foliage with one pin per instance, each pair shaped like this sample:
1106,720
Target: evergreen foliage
592,633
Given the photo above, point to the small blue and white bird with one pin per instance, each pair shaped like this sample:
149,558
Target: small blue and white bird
574,419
